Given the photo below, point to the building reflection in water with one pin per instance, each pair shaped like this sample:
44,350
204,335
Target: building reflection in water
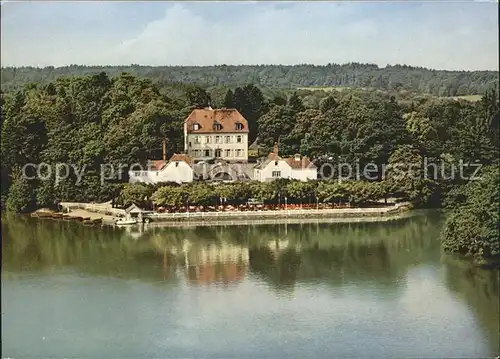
219,262
215,263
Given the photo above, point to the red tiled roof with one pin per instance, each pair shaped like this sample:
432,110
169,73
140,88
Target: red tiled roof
273,157
181,157
206,118
304,162
157,165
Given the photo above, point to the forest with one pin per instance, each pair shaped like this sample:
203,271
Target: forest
416,80
94,119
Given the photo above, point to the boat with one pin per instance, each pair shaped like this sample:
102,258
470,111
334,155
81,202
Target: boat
125,222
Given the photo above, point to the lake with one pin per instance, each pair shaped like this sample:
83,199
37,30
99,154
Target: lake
360,290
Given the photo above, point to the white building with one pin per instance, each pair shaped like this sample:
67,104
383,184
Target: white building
274,167
220,134
177,169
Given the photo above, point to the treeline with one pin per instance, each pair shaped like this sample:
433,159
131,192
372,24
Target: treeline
391,78
91,120
171,195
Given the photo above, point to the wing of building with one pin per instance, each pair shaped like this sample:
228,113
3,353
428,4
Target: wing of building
297,167
179,168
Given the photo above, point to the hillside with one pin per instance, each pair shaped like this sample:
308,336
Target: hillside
391,78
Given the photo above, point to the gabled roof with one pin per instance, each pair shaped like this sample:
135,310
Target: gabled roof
133,208
205,118
181,157
157,165
303,163
273,157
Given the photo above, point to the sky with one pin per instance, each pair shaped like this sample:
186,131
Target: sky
442,35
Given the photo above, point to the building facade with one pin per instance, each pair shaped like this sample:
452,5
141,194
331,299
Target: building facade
179,168
220,134
274,167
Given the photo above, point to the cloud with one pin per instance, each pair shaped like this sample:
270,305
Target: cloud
437,35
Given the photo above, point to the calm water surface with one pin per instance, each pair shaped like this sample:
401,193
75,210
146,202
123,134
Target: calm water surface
303,291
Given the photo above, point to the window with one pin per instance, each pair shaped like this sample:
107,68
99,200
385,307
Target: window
228,153
217,127
197,153
217,139
228,139
208,139
196,127
276,174
218,153
197,139
238,139
275,163
137,174
239,126
177,164
207,153
238,153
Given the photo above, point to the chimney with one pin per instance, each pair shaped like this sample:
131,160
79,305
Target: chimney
275,151
164,150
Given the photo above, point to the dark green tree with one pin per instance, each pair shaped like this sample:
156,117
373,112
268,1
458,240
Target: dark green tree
21,196
228,99
472,227
249,101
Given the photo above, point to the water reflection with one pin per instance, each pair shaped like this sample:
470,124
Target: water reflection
281,255
479,289
394,260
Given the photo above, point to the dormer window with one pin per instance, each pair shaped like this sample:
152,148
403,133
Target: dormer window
196,126
297,157
239,126
217,126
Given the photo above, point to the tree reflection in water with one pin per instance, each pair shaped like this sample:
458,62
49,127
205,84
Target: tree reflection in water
282,256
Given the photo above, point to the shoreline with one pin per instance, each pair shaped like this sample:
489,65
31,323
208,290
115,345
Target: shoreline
109,215
283,220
